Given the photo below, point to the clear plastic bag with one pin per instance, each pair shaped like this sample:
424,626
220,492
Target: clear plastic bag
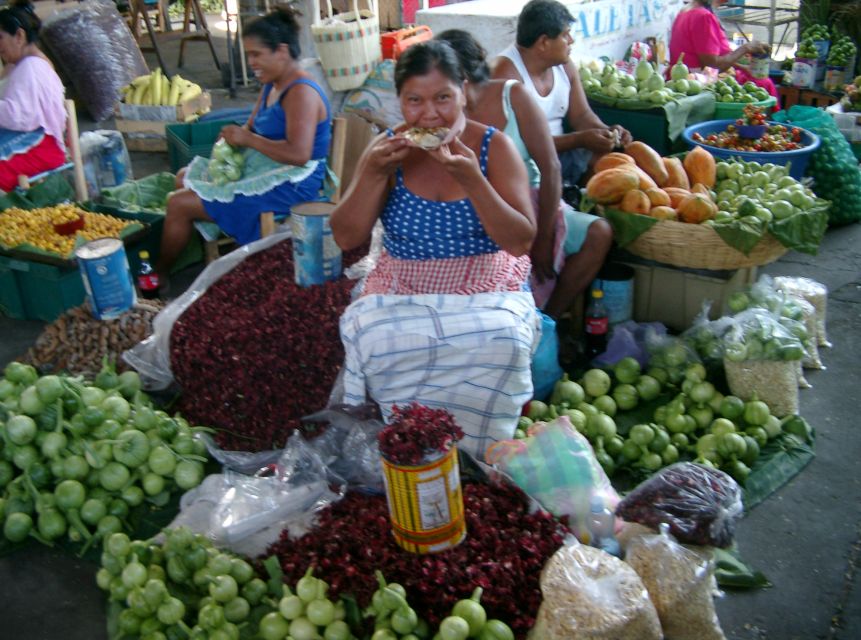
671,353
590,594
629,339
813,359
759,334
701,505
95,50
556,465
681,585
775,382
241,510
705,336
349,445
106,160
815,293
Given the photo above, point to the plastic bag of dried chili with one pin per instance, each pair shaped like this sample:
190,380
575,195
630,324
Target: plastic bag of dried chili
701,505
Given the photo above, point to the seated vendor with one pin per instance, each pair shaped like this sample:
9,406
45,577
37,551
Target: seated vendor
540,59
445,317
457,217
291,124
698,34
570,246
32,110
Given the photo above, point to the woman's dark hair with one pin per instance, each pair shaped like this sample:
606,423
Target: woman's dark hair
542,18
423,57
21,15
281,26
472,56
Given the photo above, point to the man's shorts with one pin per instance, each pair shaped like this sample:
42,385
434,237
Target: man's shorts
577,226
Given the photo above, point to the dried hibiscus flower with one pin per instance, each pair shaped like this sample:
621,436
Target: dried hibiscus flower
416,433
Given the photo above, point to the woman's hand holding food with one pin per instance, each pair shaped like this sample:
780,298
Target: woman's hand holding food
386,155
757,48
458,160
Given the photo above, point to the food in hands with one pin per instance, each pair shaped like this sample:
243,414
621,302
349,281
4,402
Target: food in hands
427,137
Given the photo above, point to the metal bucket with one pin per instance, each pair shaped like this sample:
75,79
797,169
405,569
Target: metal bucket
316,257
107,277
426,504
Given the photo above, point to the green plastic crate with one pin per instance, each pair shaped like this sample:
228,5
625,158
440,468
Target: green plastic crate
646,125
185,141
36,291
733,110
11,304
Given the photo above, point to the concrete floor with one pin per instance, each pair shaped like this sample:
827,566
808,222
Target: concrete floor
806,537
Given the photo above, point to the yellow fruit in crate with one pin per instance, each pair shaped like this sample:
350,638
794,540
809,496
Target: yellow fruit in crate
36,228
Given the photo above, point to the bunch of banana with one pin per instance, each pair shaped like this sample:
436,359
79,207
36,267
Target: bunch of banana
155,89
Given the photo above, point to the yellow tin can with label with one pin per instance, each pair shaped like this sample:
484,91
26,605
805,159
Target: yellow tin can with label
426,503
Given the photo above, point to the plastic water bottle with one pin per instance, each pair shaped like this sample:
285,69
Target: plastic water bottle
148,282
597,325
601,524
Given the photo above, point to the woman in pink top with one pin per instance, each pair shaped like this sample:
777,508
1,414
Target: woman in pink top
698,34
32,111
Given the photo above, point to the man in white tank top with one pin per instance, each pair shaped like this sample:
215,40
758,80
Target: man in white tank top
540,59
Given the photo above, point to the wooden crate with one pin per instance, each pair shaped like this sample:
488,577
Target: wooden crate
143,126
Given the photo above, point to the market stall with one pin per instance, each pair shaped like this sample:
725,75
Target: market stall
259,504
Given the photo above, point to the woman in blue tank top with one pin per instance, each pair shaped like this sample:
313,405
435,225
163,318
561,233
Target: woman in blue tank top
291,124
456,218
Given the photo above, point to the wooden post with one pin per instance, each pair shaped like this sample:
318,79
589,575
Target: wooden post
75,152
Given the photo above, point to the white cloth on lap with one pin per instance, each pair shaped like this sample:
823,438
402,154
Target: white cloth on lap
468,354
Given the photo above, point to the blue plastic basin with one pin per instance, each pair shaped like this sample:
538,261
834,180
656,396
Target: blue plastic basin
796,159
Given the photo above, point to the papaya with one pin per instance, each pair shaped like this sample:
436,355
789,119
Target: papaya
611,160
658,197
676,195
700,166
702,189
696,208
676,171
610,185
649,161
646,181
635,201
663,213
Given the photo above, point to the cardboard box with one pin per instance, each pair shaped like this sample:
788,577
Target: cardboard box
676,296
143,126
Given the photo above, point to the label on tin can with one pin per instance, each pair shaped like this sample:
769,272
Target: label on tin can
107,277
759,66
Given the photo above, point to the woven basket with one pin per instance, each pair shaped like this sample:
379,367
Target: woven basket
697,246
348,44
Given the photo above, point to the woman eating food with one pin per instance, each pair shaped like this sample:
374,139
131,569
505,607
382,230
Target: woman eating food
445,318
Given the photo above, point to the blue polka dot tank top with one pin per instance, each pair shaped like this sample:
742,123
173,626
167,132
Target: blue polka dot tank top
421,229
